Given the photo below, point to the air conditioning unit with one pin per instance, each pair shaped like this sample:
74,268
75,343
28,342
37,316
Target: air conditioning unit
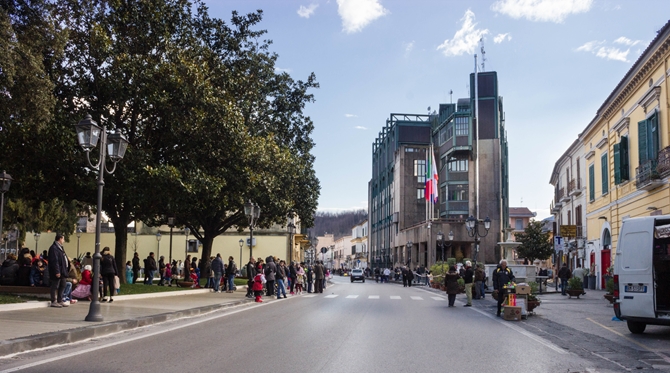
249,241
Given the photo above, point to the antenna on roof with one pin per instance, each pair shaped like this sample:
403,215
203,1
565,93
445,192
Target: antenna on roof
428,109
481,42
521,201
451,100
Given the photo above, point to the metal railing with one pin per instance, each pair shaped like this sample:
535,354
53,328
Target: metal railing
646,173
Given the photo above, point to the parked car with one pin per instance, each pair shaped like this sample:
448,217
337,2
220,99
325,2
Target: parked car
357,274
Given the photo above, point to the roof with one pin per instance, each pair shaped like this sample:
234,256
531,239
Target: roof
521,212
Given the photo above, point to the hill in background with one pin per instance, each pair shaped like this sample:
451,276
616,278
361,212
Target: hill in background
337,223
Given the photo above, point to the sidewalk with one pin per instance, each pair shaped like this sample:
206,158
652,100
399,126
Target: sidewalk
31,328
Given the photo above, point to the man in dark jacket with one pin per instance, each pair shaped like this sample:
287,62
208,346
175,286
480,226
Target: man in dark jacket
501,276
217,268
136,267
468,278
231,271
564,274
270,271
149,269
58,270
293,275
310,278
251,273
318,277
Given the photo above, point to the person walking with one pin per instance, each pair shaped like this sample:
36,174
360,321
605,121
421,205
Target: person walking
58,270
410,277
187,268
564,274
387,274
161,271
270,271
231,271
300,278
479,278
149,269
469,279
281,278
259,280
318,277
404,276
251,273
293,275
451,283
136,267
310,278
108,271
377,274
217,269
501,276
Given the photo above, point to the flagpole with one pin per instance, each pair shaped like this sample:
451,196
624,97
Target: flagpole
476,140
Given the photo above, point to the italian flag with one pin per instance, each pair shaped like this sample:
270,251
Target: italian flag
431,177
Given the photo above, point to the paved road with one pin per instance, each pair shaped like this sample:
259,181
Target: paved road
351,327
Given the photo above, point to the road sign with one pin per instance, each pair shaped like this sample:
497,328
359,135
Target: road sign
324,250
568,230
558,244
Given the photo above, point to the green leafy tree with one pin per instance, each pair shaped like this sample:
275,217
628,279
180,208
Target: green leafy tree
535,244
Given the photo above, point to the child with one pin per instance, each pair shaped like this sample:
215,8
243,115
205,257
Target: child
194,278
83,289
168,275
259,280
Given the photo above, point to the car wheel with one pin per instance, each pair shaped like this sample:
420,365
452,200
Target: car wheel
352,280
636,327
363,280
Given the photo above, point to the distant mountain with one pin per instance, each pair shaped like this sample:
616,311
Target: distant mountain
337,223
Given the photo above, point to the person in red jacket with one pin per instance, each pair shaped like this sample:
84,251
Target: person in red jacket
259,280
83,289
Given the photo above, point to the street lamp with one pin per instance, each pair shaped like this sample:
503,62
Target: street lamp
241,244
186,232
440,241
252,212
409,251
78,237
170,222
113,145
291,231
37,238
472,225
5,182
158,240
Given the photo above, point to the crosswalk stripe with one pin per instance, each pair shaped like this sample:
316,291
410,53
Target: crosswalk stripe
416,298
309,295
352,296
373,297
395,297
331,296
438,298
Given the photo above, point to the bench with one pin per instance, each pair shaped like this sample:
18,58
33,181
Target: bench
25,290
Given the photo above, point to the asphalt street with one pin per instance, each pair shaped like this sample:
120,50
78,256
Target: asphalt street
350,327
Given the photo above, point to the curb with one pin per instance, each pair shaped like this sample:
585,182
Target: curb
25,344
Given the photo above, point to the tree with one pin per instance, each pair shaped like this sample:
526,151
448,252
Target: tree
535,244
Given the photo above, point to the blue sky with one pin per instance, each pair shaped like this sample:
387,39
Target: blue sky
557,61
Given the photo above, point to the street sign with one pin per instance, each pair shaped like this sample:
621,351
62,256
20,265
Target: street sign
324,250
558,244
568,230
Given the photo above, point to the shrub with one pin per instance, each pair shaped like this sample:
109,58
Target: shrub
609,286
534,287
451,262
461,282
575,283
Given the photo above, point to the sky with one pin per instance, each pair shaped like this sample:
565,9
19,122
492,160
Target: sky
557,61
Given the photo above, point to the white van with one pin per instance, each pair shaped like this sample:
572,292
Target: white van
642,272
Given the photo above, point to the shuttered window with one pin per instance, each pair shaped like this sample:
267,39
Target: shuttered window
592,185
604,173
621,162
648,138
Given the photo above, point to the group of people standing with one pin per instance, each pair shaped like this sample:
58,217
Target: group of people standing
274,276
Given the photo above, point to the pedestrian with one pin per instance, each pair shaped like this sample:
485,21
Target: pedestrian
187,268
579,273
108,271
299,279
293,276
136,266
410,277
469,279
270,271
280,277
209,274
310,278
501,277
37,274
175,273
231,271
58,270
83,290
451,283
387,273
403,271
251,273
150,268
318,277
377,274
168,275
217,270
161,270
564,274
88,260
259,280
129,272
479,278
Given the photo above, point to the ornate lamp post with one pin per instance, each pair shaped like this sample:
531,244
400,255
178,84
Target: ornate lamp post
5,182
158,241
440,242
241,244
409,252
186,232
37,238
472,225
291,231
78,237
252,212
113,145
170,222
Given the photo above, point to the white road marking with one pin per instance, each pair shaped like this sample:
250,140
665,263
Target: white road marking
309,295
438,298
395,297
373,296
352,296
416,298
331,296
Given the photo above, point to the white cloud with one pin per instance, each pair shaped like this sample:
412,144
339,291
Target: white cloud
600,49
541,10
409,47
356,14
280,70
502,37
306,12
465,40
351,115
360,128
625,41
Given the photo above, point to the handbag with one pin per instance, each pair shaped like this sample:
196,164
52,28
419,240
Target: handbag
117,282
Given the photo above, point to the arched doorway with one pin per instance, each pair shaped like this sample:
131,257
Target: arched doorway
605,255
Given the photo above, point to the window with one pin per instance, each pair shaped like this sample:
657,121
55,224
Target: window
443,135
648,138
457,165
461,124
81,223
420,170
457,194
420,193
604,173
592,183
450,130
621,161
518,224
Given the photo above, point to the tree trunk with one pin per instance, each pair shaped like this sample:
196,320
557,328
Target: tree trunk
207,243
120,246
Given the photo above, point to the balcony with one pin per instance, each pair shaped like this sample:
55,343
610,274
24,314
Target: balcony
575,187
663,167
647,176
563,196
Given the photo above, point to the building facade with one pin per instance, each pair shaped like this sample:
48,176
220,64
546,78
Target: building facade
359,245
402,231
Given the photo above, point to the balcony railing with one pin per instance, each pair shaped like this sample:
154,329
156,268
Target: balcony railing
663,166
647,176
560,194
